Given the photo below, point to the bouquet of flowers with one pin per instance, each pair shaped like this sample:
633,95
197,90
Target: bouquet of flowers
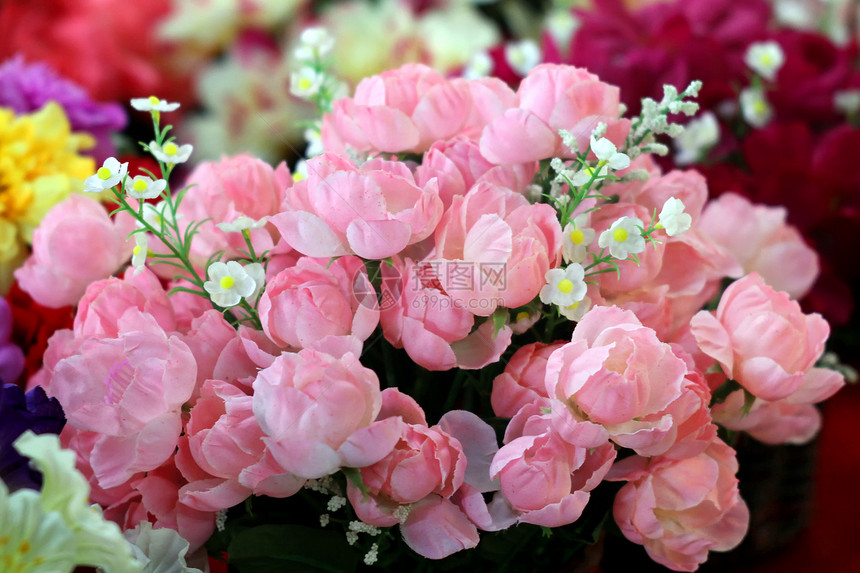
477,328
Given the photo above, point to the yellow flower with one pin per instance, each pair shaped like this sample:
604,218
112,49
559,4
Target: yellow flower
40,166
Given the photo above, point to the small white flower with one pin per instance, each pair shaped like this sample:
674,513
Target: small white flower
314,41
480,65
315,145
673,218
564,286
576,238
765,59
170,152
623,238
699,135
141,249
229,283
258,273
157,216
577,310
523,321
755,108
108,175
152,103
143,187
561,24
522,56
606,152
847,101
301,171
241,223
306,82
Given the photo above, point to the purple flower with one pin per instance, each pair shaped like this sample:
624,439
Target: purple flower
20,412
27,87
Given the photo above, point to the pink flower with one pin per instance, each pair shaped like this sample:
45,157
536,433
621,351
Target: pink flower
522,382
318,413
762,242
373,211
551,98
128,389
778,422
494,248
315,299
680,509
218,350
62,264
762,340
223,191
616,372
550,463
405,109
436,330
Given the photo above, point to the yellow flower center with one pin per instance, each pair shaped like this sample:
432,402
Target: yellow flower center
227,282
136,250
620,235
574,305
298,177
154,100
304,84
577,237
522,316
760,107
103,173
565,285
139,185
766,59
171,149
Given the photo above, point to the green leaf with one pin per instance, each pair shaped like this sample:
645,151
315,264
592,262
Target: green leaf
749,400
500,319
293,548
354,476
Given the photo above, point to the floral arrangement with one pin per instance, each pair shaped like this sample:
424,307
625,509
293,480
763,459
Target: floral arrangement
483,322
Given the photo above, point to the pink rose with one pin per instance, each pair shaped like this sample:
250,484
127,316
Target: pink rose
318,413
130,390
494,248
221,192
315,299
62,264
761,241
523,380
405,109
373,211
434,328
762,340
680,509
617,373
553,97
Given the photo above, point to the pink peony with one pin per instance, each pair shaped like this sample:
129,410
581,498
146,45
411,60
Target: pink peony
551,98
778,422
373,211
761,241
522,382
680,509
318,413
494,248
315,299
617,373
436,330
62,264
405,109
129,390
762,340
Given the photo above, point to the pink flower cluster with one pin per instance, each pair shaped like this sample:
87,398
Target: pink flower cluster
176,413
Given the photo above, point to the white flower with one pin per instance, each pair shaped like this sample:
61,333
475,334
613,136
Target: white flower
561,24
143,187
480,65
755,108
229,283
522,56
258,273
156,216
576,238
564,286
139,252
108,175
623,238
698,136
315,145
241,223
315,42
847,101
765,59
163,549
170,152
152,103
523,321
577,310
306,82
608,158
672,217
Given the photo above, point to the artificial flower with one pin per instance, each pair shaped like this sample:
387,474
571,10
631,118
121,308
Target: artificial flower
143,187
138,254
765,59
576,237
110,174
153,104
673,218
564,287
229,283
170,153
624,237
